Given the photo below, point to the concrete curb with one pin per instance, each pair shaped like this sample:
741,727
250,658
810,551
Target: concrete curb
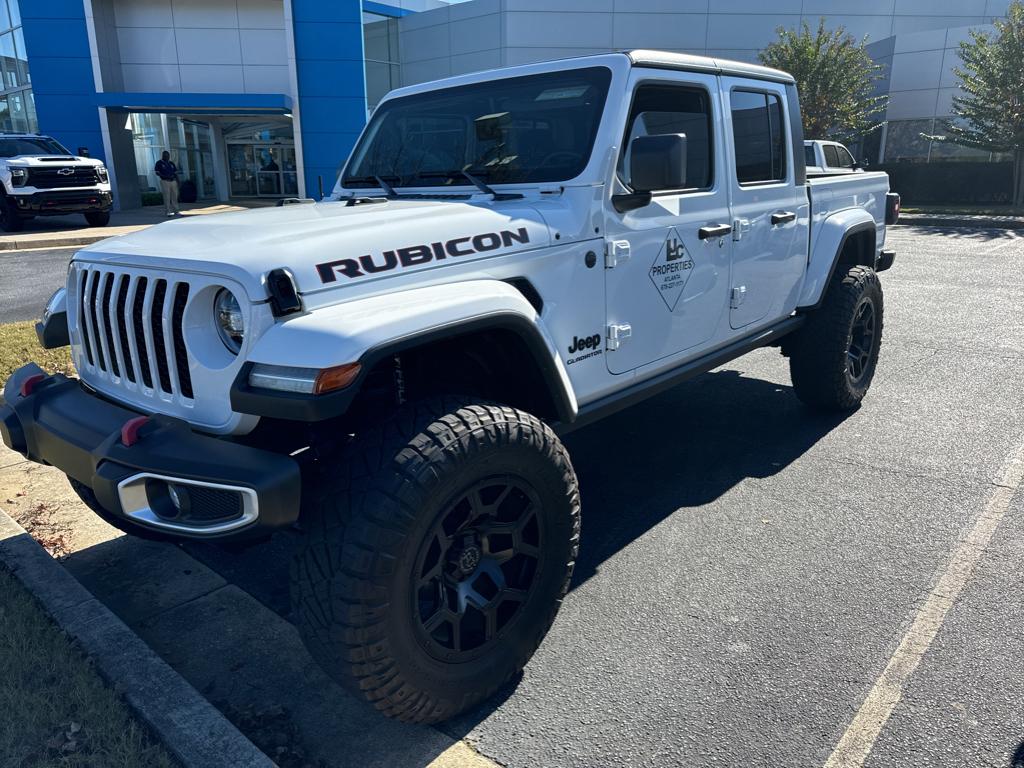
971,222
53,242
188,725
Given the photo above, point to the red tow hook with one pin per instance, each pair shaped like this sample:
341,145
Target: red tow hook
130,430
29,384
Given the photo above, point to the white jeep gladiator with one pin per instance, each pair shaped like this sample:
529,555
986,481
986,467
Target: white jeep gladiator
507,256
39,177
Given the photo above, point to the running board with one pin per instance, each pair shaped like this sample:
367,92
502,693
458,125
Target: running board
655,385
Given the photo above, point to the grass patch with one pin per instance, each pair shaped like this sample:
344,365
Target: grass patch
57,711
18,345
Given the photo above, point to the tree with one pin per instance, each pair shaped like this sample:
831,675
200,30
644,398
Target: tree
990,113
836,78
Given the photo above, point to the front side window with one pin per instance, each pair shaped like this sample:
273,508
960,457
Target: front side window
845,158
661,109
758,136
537,128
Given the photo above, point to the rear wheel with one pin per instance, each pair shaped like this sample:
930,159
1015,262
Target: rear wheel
436,551
833,357
98,218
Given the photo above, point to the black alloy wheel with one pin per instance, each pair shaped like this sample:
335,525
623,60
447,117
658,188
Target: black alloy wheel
477,567
861,345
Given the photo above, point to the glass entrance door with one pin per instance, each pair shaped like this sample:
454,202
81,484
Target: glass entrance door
262,170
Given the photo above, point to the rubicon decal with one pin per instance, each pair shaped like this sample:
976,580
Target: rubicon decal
415,255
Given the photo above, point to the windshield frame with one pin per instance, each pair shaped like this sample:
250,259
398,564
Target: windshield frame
606,77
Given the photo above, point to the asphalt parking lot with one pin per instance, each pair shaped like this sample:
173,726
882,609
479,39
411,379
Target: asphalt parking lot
28,279
756,585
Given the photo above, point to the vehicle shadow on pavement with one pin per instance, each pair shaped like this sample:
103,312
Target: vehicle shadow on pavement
682,450
210,619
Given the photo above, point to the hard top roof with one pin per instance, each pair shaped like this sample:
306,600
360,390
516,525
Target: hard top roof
692,63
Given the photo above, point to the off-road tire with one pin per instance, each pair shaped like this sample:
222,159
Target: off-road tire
370,509
98,218
819,352
10,219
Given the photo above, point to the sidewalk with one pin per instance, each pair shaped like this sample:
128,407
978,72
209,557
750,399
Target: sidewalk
971,220
71,230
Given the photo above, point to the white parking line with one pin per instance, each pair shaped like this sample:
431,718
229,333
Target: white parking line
1011,238
856,743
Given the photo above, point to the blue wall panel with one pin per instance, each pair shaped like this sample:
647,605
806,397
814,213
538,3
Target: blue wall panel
332,90
57,43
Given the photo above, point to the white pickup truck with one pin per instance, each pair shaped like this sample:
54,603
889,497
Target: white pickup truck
39,177
506,256
829,157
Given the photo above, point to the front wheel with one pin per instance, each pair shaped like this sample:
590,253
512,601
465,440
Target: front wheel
10,219
436,550
833,357
98,218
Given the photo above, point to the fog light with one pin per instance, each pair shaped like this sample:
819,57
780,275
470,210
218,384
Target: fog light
176,496
169,501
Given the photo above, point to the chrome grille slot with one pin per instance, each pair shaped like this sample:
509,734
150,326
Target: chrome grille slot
132,331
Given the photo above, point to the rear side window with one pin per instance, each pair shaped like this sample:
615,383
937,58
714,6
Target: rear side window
809,157
674,109
831,156
758,136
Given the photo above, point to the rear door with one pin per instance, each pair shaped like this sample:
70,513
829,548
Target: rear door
667,282
770,212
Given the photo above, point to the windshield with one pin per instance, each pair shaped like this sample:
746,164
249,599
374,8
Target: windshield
10,147
538,128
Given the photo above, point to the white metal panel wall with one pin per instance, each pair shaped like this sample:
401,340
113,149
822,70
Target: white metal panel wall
212,46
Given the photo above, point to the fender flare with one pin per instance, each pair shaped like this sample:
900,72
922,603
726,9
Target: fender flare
447,311
833,234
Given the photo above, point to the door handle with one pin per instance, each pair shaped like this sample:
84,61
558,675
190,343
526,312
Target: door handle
783,217
714,230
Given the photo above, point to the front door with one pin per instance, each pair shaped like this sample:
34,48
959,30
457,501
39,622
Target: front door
667,275
770,211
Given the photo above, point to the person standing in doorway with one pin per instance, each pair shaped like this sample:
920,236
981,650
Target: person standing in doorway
168,173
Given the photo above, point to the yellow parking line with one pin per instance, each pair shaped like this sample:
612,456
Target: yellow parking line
461,755
860,736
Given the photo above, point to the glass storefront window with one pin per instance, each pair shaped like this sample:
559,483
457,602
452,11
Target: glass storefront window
9,60
380,51
21,57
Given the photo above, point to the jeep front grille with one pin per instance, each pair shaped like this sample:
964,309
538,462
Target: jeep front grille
132,330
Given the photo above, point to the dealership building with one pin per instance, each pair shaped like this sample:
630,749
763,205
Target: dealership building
265,98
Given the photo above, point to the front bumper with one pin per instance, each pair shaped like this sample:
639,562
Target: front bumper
61,201
247,492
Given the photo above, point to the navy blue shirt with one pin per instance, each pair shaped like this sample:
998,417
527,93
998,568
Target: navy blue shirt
166,170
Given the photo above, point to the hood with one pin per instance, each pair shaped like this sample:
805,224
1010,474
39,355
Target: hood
49,161
330,245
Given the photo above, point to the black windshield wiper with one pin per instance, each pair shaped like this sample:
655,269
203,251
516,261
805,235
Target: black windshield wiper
479,184
389,191
371,181
472,177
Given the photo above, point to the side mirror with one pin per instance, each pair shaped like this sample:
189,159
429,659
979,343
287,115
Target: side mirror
861,165
655,162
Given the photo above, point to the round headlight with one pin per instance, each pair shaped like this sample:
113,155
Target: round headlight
230,323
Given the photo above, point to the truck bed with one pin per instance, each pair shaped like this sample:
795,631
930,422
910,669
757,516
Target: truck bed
829,195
